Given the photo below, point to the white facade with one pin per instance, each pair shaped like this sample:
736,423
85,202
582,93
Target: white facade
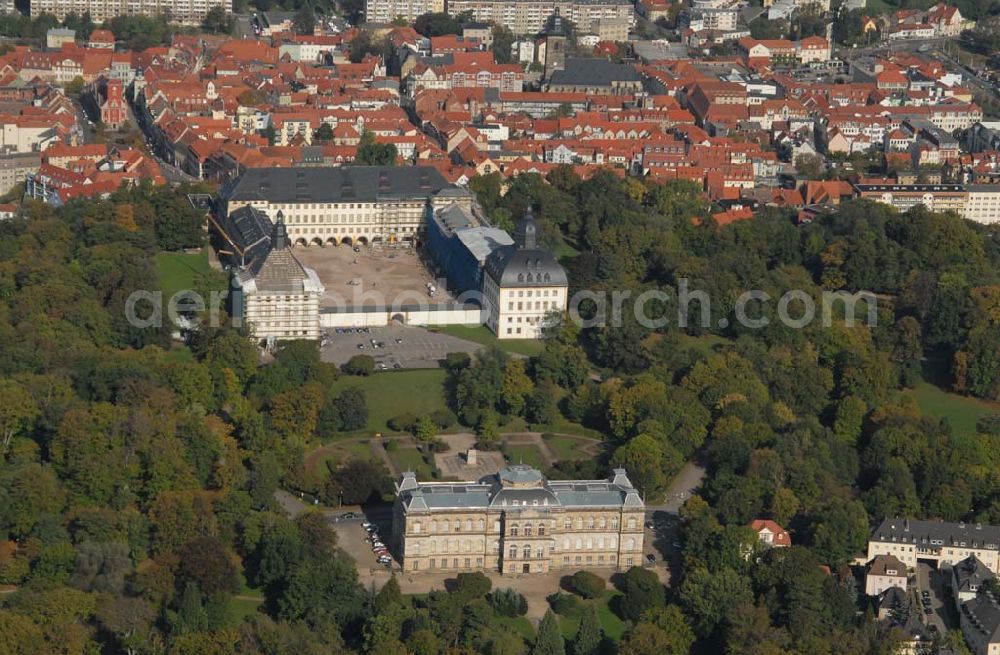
283,316
520,312
530,17
386,11
311,223
983,203
523,51
190,12
15,138
384,316
942,543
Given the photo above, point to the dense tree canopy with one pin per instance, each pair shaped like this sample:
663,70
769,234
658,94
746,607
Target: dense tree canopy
138,474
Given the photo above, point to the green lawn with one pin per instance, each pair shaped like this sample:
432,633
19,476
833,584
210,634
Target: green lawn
237,609
339,452
518,625
246,603
393,393
565,448
613,626
962,412
409,459
526,454
178,271
480,334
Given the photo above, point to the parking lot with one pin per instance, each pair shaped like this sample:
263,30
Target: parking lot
351,536
404,347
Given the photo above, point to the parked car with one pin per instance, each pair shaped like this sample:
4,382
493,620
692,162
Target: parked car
348,515
366,524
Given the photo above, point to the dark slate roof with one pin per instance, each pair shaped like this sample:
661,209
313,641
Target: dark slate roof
247,232
336,184
938,533
594,72
279,271
523,264
502,491
970,574
983,613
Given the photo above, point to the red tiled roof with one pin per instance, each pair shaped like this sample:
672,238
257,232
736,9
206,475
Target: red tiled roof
780,538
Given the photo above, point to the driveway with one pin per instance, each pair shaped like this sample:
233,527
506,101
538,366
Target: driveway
680,489
933,580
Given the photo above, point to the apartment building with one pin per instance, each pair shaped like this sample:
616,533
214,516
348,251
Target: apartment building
518,522
188,12
935,541
14,169
386,11
983,203
356,204
935,197
527,17
976,202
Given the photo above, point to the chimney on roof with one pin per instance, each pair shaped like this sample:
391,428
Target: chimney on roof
383,181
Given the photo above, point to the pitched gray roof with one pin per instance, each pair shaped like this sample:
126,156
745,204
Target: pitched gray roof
881,564
247,233
336,184
482,241
594,72
970,574
983,613
938,533
517,486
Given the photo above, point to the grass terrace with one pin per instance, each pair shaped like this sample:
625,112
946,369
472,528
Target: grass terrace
392,393
481,334
962,412
178,271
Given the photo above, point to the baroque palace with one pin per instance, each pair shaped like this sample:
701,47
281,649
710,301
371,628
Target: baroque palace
518,522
